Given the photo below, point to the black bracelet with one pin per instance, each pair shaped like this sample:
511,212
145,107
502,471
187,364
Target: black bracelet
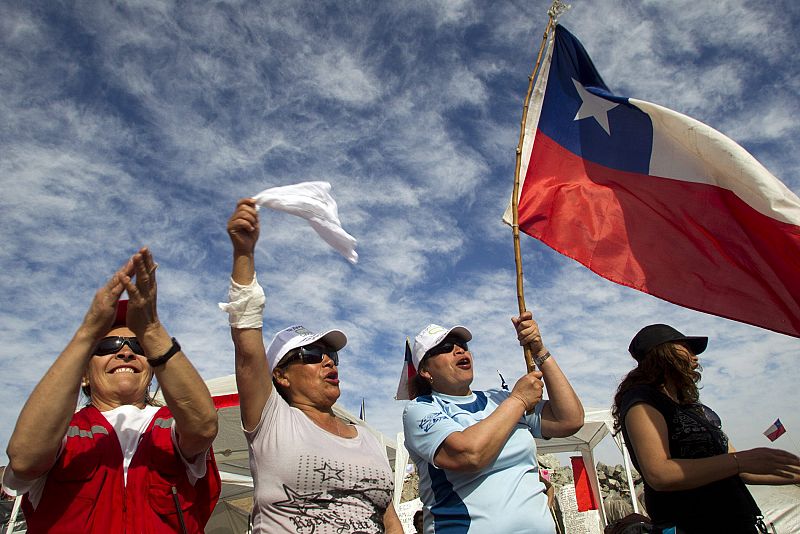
161,360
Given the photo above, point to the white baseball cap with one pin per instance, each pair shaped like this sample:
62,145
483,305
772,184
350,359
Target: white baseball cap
432,335
299,336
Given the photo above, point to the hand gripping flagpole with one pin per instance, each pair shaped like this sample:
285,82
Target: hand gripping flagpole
556,9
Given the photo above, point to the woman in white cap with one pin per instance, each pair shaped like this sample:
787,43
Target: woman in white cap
475,450
693,477
311,471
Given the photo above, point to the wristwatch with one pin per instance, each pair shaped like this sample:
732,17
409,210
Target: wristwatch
161,360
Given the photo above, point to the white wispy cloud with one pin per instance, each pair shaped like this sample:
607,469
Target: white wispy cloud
142,123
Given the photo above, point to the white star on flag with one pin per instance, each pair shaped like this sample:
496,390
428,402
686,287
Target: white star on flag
593,106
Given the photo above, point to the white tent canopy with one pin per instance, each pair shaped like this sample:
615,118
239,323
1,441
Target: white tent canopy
597,425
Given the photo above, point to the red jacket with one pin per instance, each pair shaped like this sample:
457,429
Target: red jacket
86,492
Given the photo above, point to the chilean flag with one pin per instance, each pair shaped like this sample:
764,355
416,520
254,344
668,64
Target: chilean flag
655,200
775,431
408,372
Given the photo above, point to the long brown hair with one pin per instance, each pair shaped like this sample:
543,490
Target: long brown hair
665,363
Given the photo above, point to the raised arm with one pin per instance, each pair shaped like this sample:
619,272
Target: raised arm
253,378
647,431
562,414
43,421
184,390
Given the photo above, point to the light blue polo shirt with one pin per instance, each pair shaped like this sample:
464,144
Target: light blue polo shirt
506,497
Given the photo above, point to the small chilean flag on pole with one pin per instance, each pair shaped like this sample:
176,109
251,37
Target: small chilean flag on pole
408,372
775,431
655,200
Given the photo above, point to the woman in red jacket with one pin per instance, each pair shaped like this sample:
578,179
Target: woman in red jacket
120,464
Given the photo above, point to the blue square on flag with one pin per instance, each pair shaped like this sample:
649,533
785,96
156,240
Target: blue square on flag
582,115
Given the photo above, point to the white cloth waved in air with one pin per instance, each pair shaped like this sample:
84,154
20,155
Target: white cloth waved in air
312,201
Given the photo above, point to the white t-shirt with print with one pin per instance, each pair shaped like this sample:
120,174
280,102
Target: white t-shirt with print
309,480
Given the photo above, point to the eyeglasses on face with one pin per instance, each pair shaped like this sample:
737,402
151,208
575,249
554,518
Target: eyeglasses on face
311,355
448,345
114,344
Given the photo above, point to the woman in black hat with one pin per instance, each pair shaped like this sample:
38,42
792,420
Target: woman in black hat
693,477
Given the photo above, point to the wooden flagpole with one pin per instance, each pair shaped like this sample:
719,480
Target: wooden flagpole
555,10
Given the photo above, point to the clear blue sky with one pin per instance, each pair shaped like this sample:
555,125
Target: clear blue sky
141,123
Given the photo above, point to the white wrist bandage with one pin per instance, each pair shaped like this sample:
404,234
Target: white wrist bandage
245,305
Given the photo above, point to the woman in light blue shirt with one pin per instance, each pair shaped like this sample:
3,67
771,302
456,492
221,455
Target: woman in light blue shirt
475,450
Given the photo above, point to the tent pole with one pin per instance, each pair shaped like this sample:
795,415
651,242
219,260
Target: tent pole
588,463
627,459
400,462
12,519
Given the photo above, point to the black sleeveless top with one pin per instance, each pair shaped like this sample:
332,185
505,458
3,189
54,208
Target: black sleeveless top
694,431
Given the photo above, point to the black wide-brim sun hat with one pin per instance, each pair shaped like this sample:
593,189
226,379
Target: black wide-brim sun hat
654,335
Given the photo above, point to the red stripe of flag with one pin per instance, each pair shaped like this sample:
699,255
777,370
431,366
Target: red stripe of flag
683,242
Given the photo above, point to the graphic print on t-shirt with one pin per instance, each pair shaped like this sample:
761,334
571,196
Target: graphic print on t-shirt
331,496
694,435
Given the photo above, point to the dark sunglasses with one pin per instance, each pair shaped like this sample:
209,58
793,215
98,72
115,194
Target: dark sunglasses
311,355
114,344
447,346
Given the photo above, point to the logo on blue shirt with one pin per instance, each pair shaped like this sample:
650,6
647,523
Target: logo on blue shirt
427,422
